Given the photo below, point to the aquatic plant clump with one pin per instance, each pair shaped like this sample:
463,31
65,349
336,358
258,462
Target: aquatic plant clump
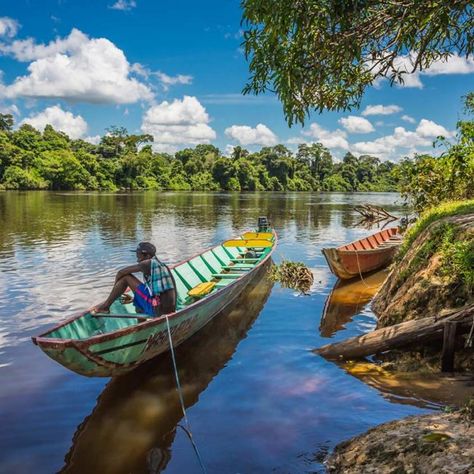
294,275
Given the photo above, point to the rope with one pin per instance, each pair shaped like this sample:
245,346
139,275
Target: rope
186,429
470,337
360,272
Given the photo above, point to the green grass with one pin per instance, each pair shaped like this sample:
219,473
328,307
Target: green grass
448,209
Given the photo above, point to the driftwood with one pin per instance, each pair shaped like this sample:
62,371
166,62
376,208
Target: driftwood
394,336
370,212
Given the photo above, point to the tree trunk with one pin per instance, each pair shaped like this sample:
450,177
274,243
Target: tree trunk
394,336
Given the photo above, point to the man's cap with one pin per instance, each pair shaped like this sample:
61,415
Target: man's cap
146,247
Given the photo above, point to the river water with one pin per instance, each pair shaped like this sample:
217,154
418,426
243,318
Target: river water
258,399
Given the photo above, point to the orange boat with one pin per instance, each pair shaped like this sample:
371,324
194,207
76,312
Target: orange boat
364,255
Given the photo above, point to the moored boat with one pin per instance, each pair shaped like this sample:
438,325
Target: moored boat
111,344
363,255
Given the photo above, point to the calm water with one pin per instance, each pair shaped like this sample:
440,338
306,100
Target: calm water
258,399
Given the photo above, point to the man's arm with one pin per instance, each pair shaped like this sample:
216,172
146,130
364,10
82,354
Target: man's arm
143,267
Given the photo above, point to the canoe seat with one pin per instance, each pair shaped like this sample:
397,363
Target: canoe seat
226,275
243,260
238,267
202,289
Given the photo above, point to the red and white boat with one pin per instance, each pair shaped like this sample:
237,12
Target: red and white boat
364,255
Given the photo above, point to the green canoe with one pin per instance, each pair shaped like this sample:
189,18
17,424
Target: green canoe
112,344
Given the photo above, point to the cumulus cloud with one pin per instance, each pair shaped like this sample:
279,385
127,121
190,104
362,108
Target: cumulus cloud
8,27
123,5
355,124
180,122
172,80
229,149
245,135
408,119
95,140
165,80
454,64
430,129
334,139
9,109
381,110
75,68
403,142
73,125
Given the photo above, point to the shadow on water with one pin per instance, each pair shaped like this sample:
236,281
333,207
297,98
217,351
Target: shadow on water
414,388
134,423
347,299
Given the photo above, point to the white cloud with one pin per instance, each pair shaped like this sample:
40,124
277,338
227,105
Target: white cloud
172,80
355,124
245,135
181,122
164,79
454,64
95,140
335,139
408,119
75,68
229,149
9,109
429,129
8,27
73,125
123,5
381,110
401,142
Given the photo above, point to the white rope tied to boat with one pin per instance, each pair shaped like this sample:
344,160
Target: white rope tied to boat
187,428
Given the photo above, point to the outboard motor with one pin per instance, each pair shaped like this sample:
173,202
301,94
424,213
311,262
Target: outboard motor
263,224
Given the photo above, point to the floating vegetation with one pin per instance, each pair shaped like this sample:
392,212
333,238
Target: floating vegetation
294,275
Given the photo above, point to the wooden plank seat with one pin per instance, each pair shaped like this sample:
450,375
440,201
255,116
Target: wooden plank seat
238,267
226,275
243,260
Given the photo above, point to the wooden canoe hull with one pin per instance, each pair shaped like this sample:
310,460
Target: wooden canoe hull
348,265
143,342
364,255
116,353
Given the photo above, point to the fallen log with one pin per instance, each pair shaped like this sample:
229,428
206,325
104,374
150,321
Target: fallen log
394,336
371,212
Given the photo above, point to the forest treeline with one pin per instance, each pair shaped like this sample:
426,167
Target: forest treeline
30,159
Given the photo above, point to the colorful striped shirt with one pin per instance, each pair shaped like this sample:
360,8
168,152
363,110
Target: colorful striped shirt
160,279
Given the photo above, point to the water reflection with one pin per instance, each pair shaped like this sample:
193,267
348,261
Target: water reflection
421,390
347,298
134,423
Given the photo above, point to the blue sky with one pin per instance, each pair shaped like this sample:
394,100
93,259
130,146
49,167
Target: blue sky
176,69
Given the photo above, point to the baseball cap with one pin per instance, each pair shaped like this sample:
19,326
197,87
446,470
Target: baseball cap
146,247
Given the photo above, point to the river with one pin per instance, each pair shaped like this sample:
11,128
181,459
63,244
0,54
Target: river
258,399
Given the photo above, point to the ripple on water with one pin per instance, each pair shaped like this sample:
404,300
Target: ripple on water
258,398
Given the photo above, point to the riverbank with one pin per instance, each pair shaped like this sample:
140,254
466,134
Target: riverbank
439,442
433,275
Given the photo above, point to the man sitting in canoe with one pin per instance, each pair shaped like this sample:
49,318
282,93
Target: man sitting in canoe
156,295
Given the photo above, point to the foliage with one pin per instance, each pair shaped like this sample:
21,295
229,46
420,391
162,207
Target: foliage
427,181
295,275
457,258
30,159
324,54
444,210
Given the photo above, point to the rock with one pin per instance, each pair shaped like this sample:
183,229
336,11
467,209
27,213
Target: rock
435,443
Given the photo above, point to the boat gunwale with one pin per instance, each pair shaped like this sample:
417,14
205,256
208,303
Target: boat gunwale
369,251
57,343
379,247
